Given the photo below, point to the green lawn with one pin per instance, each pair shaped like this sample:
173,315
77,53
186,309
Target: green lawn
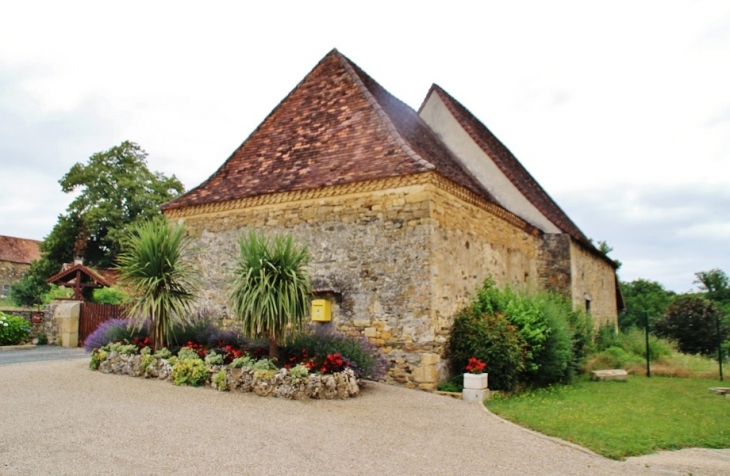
620,419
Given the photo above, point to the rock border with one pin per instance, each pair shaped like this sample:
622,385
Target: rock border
279,383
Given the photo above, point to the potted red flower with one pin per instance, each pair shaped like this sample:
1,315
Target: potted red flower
475,378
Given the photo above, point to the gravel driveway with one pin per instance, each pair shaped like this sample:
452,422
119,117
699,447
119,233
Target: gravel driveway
61,418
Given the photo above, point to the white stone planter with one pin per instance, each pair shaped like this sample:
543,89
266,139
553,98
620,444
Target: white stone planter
475,381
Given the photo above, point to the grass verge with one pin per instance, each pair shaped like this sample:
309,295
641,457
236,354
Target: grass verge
620,419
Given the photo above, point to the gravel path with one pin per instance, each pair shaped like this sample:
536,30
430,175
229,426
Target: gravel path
61,418
41,353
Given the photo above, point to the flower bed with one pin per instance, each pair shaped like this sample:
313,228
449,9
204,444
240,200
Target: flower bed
284,383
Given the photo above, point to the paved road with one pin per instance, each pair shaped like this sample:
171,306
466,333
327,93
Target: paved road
62,418
40,354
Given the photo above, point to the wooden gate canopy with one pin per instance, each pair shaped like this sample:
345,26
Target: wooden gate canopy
80,277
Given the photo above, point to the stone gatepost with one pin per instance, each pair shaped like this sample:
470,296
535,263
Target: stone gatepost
427,374
66,316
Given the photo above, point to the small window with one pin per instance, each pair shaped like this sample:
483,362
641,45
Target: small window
6,290
587,297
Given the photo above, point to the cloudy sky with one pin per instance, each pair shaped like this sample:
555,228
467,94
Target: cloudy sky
621,110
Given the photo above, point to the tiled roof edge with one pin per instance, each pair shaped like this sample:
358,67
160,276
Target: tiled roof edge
382,114
568,227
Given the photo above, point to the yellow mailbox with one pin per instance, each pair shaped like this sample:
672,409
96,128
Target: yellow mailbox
321,310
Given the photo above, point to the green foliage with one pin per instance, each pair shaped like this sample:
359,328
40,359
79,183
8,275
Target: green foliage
213,359
219,381
715,284
186,353
113,191
147,361
691,321
42,339
451,385
13,329
364,358
119,348
642,296
112,295
491,338
30,289
55,292
604,248
525,340
160,281
264,374
240,362
271,289
620,419
189,372
298,372
163,353
97,357
263,364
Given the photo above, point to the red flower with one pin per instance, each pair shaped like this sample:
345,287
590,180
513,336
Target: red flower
475,366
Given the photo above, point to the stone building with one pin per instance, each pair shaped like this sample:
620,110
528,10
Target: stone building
15,257
404,212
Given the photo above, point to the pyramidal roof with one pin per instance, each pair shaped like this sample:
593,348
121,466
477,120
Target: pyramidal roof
337,126
509,165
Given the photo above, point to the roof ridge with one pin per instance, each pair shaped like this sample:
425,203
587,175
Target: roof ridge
346,63
563,222
171,203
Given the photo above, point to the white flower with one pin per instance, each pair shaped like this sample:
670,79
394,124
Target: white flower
5,324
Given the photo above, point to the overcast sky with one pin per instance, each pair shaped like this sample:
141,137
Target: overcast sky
621,110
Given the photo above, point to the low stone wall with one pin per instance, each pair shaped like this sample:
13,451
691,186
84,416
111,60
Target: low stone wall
341,385
41,322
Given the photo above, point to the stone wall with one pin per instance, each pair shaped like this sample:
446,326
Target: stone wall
397,258
554,265
594,279
11,273
370,251
47,324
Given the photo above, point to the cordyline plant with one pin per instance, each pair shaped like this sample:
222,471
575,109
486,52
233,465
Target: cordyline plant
160,282
271,289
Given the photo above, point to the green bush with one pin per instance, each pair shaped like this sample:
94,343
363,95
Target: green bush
186,353
525,340
112,295
97,357
490,338
219,381
213,359
189,372
13,329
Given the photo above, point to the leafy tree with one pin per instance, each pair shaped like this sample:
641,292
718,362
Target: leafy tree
605,249
115,190
271,288
692,322
716,286
159,281
643,296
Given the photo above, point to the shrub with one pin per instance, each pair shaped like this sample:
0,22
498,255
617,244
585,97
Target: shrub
526,340
113,330
692,322
219,381
42,339
241,362
189,372
13,329
187,353
214,359
490,338
163,353
112,295
119,348
299,372
364,358
97,357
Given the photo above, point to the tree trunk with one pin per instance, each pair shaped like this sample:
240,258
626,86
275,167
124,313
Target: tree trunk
273,349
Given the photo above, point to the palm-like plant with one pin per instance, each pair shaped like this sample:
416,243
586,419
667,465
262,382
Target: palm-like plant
160,282
271,289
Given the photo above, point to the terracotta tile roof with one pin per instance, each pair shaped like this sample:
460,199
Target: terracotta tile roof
337,126
19,250
510,166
